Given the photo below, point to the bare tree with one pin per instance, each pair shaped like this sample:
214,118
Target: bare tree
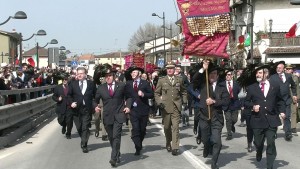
147,32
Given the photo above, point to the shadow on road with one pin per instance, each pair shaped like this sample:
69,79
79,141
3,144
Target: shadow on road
93,147
263,163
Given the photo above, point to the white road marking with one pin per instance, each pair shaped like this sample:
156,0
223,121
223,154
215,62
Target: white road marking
195,161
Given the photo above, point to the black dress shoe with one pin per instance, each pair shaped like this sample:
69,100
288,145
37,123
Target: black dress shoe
68,136
195,131
229,137
169,148
294,130
205,152
249,149
97,133
137,152
198,140
214,166
288,137
113,163
85,150
258,156
63,130
175,152
104,138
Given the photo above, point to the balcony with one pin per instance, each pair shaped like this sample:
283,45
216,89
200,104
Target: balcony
278,40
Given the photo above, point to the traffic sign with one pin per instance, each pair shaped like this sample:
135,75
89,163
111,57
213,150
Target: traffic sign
74,63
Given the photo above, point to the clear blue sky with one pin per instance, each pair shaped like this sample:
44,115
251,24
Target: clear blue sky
85,26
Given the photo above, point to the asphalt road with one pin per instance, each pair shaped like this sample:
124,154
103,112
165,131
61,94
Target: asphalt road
47,148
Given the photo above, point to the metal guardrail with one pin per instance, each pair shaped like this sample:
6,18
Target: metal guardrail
21,104
18,95
12,114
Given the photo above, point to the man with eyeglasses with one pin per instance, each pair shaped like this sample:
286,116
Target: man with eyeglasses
231,111
294,106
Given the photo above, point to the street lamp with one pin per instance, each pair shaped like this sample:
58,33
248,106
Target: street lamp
18,15
164,25
270,32
53,41
40,32
170,29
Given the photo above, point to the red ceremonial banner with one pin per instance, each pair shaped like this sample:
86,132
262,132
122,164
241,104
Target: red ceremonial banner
138,60
206,26
128,61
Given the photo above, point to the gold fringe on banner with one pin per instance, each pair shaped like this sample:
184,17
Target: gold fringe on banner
209,25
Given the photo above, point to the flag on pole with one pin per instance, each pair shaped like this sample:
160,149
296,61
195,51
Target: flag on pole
248,40
34,57
31,62
294,31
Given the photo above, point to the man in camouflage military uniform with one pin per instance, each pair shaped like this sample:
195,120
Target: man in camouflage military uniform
171,97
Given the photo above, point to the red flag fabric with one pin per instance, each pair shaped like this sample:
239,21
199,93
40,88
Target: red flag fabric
294,31
206,27
31,62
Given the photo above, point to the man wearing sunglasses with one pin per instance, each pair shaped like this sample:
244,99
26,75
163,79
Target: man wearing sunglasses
231,111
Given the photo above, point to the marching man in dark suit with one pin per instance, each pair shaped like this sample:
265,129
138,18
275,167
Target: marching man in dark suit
265,100
213,97
287,86
171,97
81,94
231,111
116,105
140,91
64,114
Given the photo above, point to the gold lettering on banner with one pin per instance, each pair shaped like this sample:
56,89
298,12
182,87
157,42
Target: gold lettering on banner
216,2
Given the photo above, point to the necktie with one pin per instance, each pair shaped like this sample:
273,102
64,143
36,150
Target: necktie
135,86
281,77
262,87
230,89
172,80
65,90
110,90
81,85
153,87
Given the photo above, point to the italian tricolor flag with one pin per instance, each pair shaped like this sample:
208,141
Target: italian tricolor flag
294,31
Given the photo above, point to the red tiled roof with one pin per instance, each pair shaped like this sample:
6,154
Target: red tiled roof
86,57
112,55
274,50
31,52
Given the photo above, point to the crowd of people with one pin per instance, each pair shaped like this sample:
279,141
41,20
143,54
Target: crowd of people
263,95
26,76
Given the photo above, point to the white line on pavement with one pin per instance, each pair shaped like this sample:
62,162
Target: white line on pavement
195,161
